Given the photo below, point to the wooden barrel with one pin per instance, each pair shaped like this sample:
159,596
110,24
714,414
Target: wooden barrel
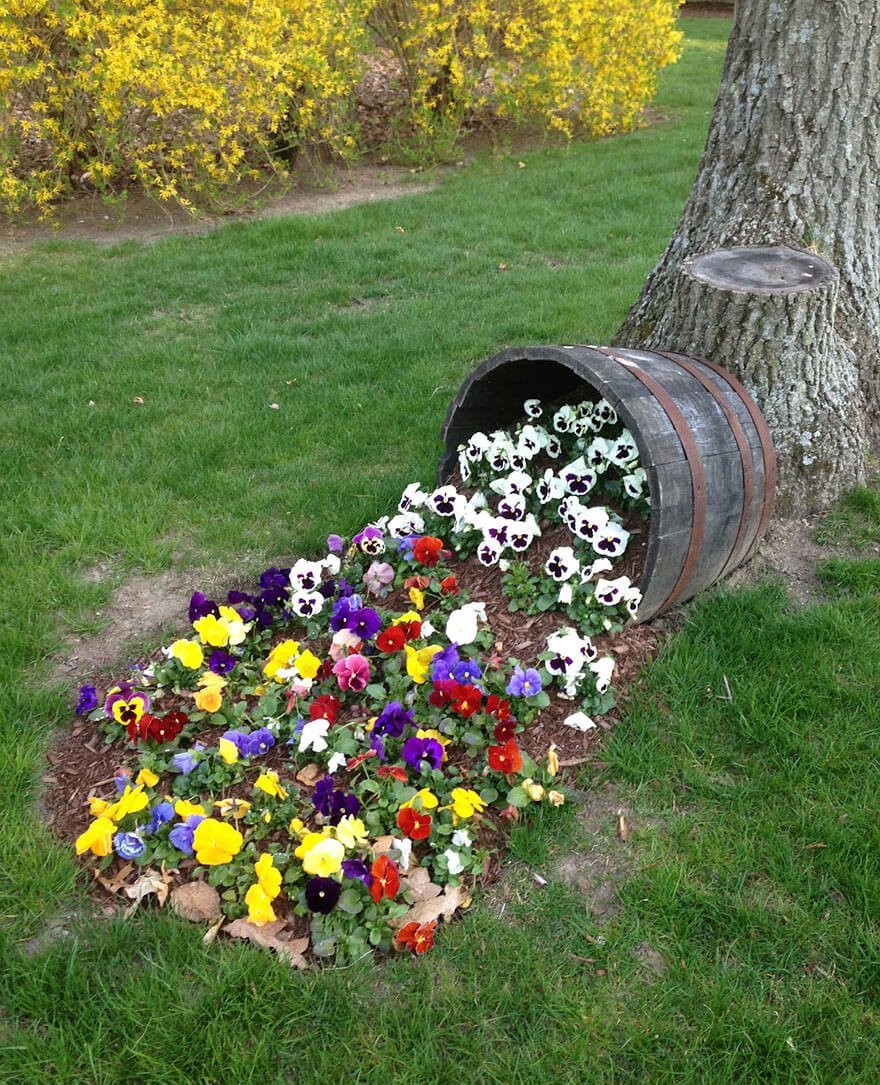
702,441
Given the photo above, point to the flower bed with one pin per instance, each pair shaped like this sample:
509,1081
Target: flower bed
327,764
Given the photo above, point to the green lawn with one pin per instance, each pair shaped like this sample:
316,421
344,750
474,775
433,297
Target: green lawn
745,947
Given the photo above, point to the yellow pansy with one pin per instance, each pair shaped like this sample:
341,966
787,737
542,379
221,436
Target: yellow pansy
280,658
426,797
237,808
466,803
97,806
309,841
410,616
269,783
184,808
146,778
237,628
417,598
208,700
296,827
228,750
259,905
552,759
98,838
418,660
216,842
189,652
325,858
351,831
555,798
210,680
307,665
268,876
212,630
129,802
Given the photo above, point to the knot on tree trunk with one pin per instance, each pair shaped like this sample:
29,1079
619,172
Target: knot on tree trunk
766,314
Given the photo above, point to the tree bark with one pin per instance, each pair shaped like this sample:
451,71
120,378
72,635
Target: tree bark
792,158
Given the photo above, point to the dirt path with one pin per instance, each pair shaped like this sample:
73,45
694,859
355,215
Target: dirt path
139,218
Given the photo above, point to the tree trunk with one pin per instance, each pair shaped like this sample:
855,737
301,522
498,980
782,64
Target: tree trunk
792,159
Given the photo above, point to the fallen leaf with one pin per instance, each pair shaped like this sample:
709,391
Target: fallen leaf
271,935
622,828
212,931
445,905
418,882
382,845
119,879
502,267
196,901
310,774
138,401
275,406
147,884
400,229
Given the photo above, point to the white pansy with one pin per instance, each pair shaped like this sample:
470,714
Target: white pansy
610,540
588,523
600,565
610,592
446,500
603,669
605,413
561,564
553,448
566,594
406,523
404,847
413,497
550,487
512,507
532,408
564,419
477,444
306,575
531,440
463,624
596,454
337,761
453,861
623,451
332,564
305,604
461,838
632,598
522,534
634,483
578,478
314,736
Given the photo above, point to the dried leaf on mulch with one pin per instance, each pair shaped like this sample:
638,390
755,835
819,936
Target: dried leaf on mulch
196,901
276,936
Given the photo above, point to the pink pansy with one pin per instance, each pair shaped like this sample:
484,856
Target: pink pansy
352,673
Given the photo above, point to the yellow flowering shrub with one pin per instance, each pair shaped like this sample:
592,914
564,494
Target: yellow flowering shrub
180,96
188,98
570,65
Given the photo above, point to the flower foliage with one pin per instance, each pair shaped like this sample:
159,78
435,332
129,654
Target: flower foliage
185,99
363,727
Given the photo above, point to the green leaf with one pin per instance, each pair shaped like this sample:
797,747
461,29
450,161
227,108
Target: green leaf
489,794
517,797
350,902
376,691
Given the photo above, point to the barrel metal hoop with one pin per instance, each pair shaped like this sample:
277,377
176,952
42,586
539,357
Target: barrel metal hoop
745,455
695,464
767,449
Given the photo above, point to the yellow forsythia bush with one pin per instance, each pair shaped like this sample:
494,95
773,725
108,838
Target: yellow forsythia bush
571,65
184,97
181,96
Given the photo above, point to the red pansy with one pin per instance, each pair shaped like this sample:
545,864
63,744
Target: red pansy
393,771
386,880
416,824
419,937
427,550
449,585
391,639
325,707
498,707
466,700
506,758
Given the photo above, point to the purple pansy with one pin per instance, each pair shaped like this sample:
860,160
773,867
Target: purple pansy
88,700
200,606
393,719
129,845
524,683
221,661
181,836
364,623
418,750
357,869
322,894
468,672
161,814
443,663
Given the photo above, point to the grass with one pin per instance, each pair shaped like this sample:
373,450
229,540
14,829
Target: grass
750,879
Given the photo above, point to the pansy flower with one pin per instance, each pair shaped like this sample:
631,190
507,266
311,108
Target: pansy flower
419,753
386,880
393,720
306,604
357,869
610,540
216,842
325,707
427,550
181,836
126,705
506,758
129,845
524,683
352,673
364,623
419,937
306,575
391,639
370,540
87,701
603,669
98,838
416,824
444,500
322,894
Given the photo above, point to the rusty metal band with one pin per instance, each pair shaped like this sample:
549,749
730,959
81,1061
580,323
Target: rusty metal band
768,452
695,464
740,543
